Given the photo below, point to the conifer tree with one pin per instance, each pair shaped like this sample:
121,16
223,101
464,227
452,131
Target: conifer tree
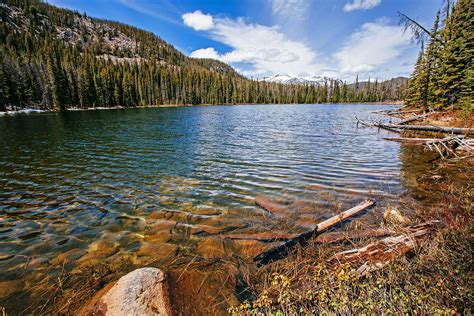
444,73
414,94
456,60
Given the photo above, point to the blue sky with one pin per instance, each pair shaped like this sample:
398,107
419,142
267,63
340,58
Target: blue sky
335,38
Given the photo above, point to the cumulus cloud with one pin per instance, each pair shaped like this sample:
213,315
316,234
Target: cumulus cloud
375,49
371,47
293,8
198,20
361,5
265,49
209,52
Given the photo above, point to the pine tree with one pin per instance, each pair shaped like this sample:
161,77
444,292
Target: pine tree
415,88
431,56
457,57
445,70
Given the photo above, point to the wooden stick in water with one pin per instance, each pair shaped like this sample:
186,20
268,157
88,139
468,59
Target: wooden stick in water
344,215
281,250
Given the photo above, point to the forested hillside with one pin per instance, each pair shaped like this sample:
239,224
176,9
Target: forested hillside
52,58
443,77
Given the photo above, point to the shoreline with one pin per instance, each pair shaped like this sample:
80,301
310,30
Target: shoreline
347,270
368,228
41,111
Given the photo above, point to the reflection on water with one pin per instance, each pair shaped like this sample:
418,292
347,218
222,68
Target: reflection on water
97,193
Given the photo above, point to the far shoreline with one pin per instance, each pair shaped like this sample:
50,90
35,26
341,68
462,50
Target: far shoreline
41,111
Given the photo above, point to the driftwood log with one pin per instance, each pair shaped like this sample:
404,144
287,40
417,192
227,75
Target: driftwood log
425,128
378,254
335,237
281,250
413,140
415,118
396,112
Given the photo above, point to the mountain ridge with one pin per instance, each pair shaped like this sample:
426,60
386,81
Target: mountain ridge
293,79
55,58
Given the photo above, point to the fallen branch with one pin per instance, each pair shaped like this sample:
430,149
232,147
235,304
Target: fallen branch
426,128
281,250
416,118
410,140
396,112
378,254
444,146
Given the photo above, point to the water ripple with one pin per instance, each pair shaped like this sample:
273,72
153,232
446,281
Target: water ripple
68,178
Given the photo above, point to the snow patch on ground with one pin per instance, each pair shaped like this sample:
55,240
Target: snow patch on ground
292,79
22,111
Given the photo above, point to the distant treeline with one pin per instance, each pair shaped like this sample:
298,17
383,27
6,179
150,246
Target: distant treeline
53,58
444,72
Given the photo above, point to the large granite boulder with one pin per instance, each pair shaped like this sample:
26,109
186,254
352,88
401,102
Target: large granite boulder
141,292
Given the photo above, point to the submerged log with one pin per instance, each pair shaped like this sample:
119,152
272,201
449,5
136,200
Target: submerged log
281,250
378,254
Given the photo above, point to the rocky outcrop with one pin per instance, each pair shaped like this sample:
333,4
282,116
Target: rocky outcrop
141,292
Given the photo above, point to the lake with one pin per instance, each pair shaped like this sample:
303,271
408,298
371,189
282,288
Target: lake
119,189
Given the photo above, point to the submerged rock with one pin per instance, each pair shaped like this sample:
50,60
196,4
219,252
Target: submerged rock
141,292
270,206
157,250
68,256
213,247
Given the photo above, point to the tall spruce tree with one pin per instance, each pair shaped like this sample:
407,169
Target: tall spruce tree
456,58
415,88
443,74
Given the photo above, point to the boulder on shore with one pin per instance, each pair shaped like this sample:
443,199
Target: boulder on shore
141,292
392,216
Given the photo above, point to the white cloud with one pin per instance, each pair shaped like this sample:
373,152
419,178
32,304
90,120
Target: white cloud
361,5
209,52
290,8
198,20
377,49
371,47
264,49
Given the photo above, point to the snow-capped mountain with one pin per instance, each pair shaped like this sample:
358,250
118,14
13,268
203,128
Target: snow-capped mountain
292,79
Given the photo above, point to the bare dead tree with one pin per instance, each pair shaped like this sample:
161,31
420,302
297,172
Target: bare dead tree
447,8
419,33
